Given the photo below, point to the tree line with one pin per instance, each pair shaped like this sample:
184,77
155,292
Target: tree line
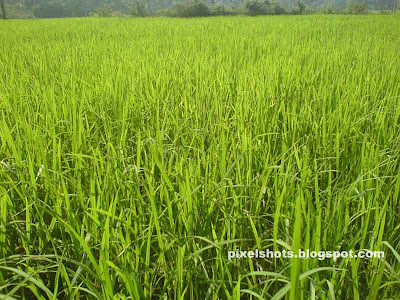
183,8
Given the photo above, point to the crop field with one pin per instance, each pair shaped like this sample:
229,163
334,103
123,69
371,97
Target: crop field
135,154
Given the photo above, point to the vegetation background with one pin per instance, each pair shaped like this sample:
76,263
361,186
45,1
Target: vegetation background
185,8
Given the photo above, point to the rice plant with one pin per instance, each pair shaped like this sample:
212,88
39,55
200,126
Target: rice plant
135,153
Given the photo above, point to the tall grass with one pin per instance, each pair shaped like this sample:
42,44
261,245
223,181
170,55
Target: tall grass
136,153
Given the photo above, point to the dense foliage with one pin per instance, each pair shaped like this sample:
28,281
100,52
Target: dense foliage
184,8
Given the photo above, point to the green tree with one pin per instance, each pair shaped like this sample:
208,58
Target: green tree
49,9
301,6
104,11
3,9
137,9
255,8
394,6
357,8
